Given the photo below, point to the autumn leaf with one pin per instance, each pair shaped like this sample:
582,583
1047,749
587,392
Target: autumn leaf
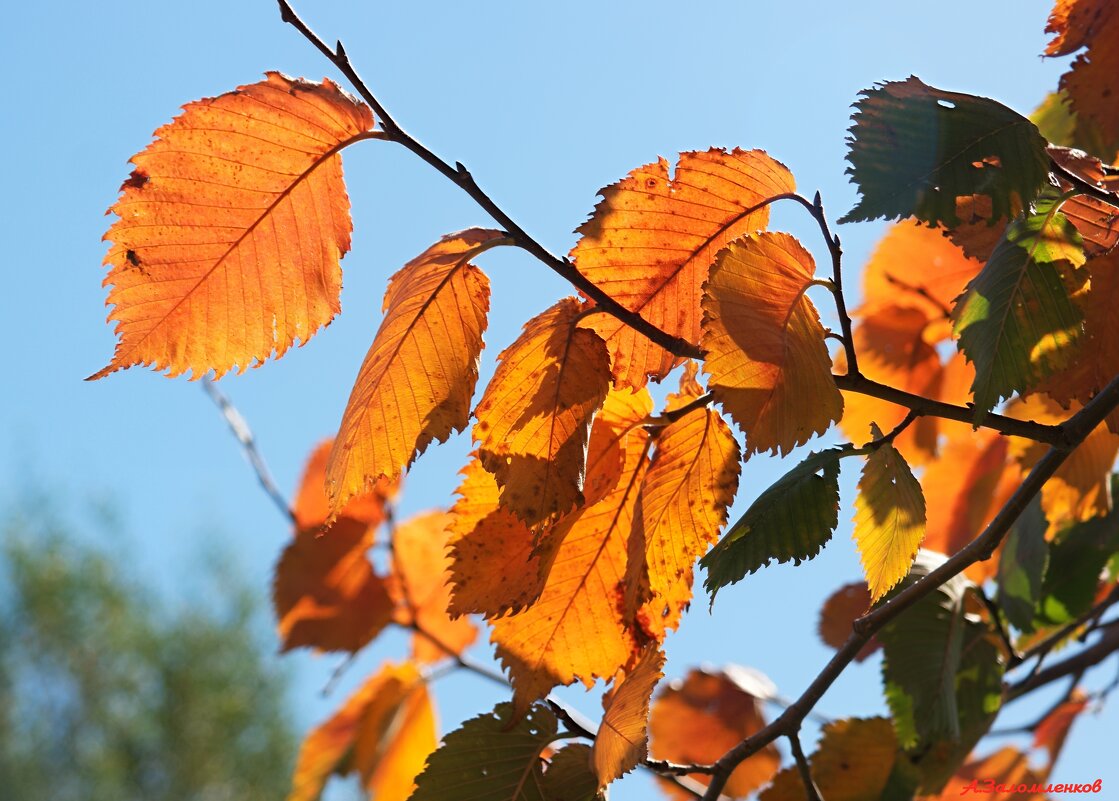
384,733
488,540
622,738
765,348
855,761
889,517
1016,321
1080,489
312,507
893,350
493,757
651,240
683,504
1008,766
790,521
418,377
915,149
422,570
325,592
1096,221
231,229
1092,84
578,628
534,419
1052,731
839,612
964,489
698,719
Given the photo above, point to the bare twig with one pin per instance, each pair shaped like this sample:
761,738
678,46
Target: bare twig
1042,649
996,619
1085,187
810,788
836,250
1106,646
244,435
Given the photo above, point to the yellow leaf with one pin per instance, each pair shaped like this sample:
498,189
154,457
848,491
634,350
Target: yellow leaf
312,507
651,240
422,569
684,498
384,733
418,377
231,229
889,517
577,628
765,348
622,737
534,419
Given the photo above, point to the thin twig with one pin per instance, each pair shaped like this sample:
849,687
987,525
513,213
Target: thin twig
1042,649
996,619
1083,186
836,250
810,788
244,435
1106,646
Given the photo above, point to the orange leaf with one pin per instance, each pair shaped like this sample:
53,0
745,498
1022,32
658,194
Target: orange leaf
422,569
1050,734
384,733
577,629
312,508
839,612
683,505
418,377
1092,84
892,350
325,592
534,419
765,348
231,229
964,489
622,737
699,719
1007,766
653,237
1081,487
916,267
1096,221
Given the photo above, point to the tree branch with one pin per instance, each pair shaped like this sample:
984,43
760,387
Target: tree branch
810,788
1077,429
1107,645
1083,186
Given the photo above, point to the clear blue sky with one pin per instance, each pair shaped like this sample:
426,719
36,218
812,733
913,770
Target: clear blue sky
545,103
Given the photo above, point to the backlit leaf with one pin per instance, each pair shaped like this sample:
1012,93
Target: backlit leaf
384,733
1015,321
312,507
765,348
1092,84
418,377
1008,766
651,240
1097,222
231,229
853,762
889,518
570,775
790,521
1077,557
1062,126
622,738
683,505
325,592
1051,733
839,612
421,566
1022,567
488,540
535,416
697,719
492,757
578,628
915,149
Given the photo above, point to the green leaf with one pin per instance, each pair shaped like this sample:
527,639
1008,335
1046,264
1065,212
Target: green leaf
1022,567
914,149
1077,557
570,775
942,669
490,759
790,521
1015,320
1062,126
889,517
